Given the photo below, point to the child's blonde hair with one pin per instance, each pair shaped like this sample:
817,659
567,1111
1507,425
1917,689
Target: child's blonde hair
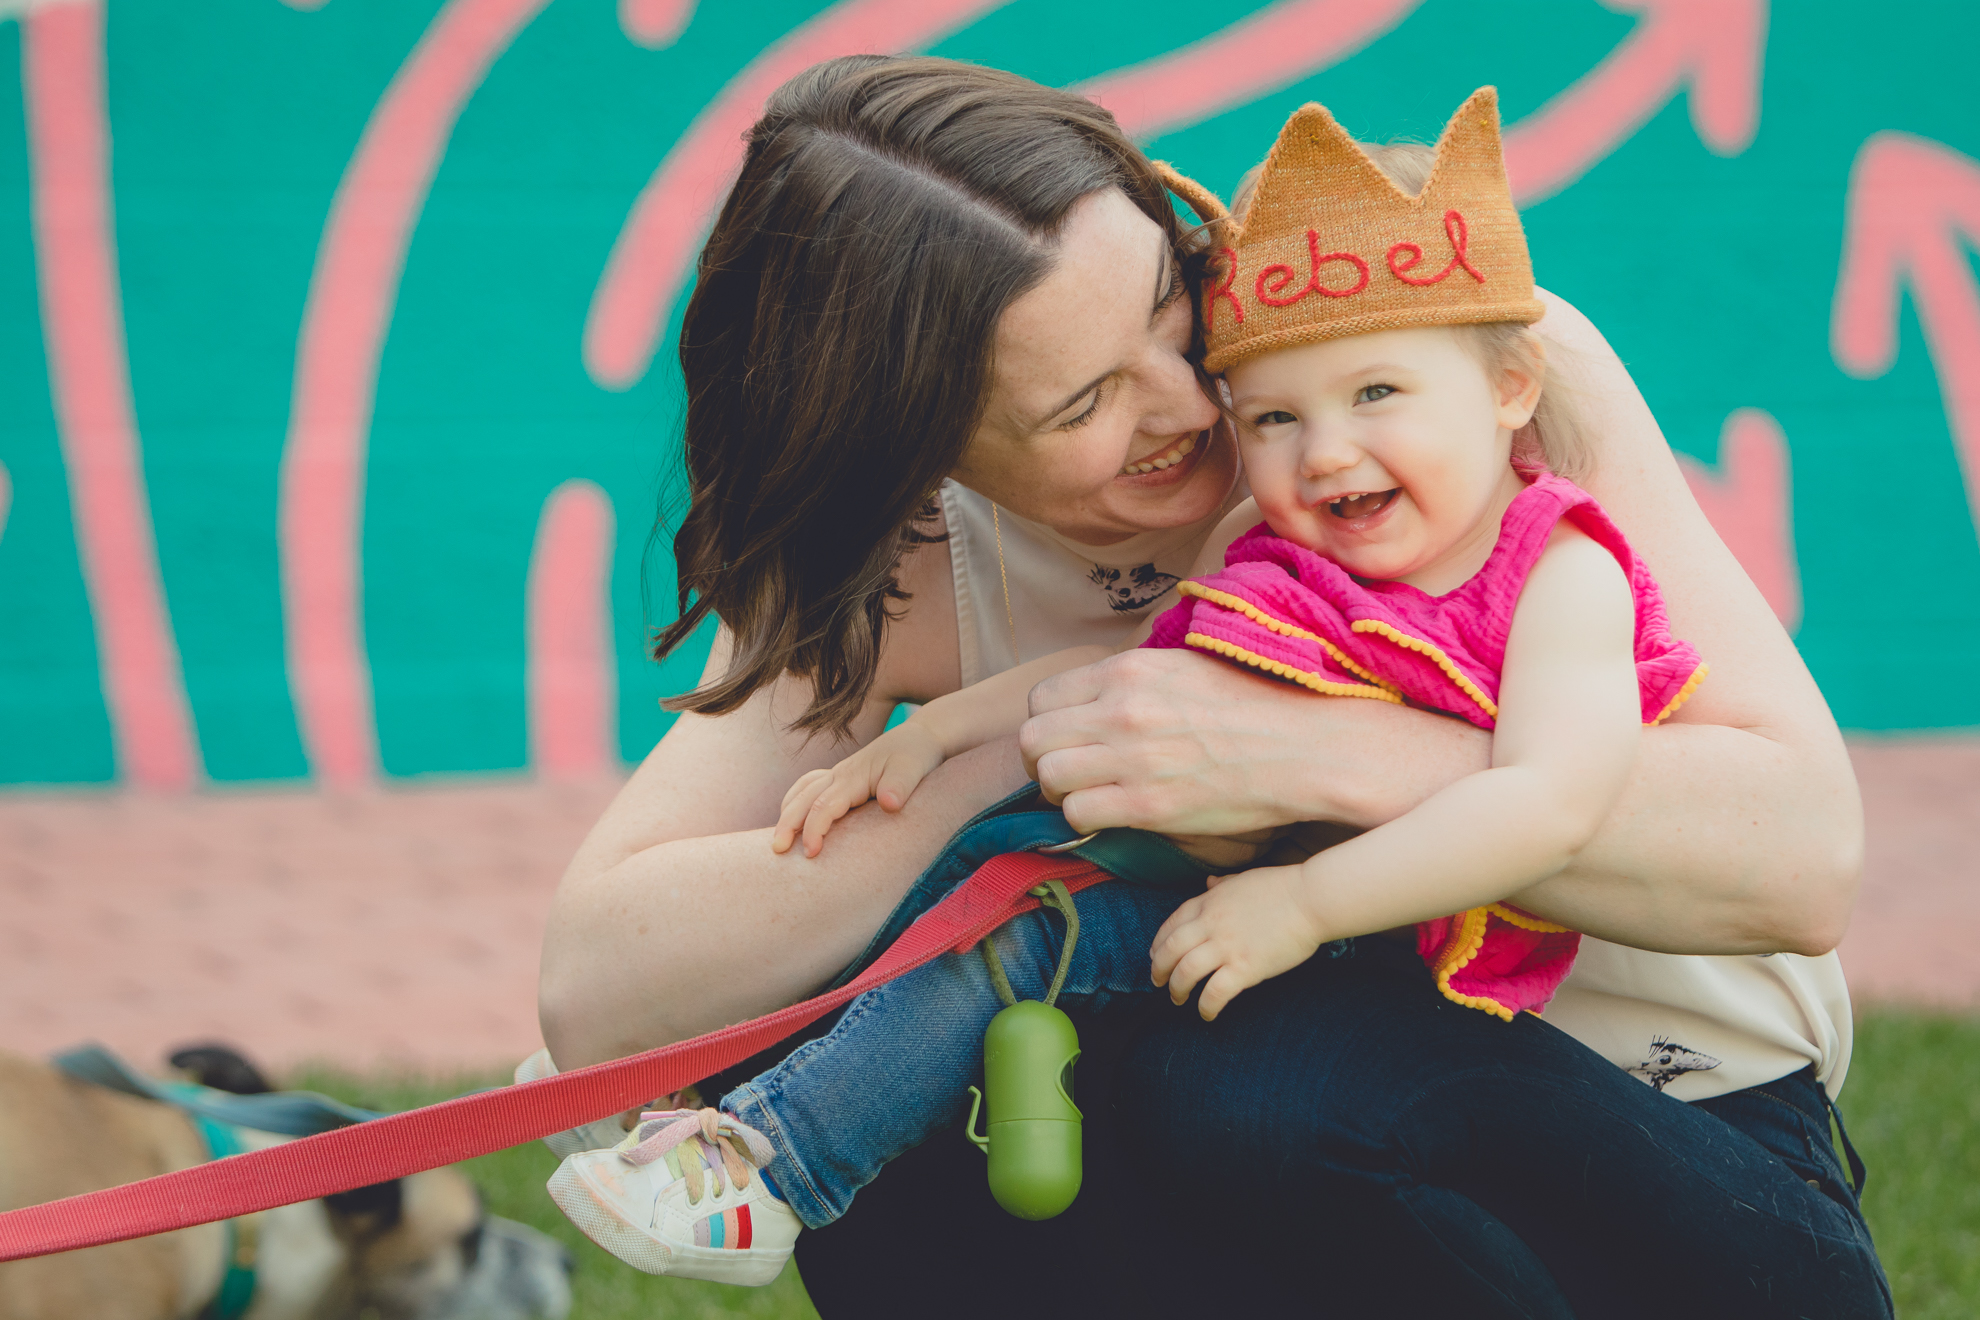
1557,437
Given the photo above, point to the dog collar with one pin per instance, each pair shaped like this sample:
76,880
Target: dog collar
243,1242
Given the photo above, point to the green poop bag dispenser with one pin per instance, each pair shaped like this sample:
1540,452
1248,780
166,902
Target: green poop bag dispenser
1033,1137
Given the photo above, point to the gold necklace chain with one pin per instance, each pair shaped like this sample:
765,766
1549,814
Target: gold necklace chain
1004,576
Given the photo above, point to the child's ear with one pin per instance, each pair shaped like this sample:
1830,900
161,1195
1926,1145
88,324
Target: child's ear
1519,385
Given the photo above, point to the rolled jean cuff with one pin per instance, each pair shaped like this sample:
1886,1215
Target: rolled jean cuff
787,1174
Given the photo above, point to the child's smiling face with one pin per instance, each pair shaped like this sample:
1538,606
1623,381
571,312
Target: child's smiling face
1389,452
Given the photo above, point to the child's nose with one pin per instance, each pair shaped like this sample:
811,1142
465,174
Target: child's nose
1324,455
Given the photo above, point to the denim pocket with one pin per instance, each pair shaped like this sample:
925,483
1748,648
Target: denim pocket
1792,1134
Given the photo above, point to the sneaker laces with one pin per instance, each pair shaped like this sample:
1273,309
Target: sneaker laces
713,1139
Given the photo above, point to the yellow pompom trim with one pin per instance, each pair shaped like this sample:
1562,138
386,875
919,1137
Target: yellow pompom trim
1282,670
1684,695
1479,1002
1467,938
1430,649
1512,916
1284,629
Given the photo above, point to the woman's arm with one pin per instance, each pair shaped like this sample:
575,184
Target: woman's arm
675,917
1739,830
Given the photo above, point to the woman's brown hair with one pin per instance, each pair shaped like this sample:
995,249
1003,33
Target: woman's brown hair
838,346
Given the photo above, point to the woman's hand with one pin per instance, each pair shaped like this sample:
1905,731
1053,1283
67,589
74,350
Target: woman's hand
888,769
1184,743
1766,859
1246,928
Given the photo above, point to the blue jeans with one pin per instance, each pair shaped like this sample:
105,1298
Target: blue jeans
1504,1164
896,1068
1373,1150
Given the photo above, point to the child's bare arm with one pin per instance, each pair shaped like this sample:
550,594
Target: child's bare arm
889,767
1567,732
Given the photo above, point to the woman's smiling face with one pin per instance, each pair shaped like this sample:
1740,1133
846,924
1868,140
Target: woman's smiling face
1096,425
1389,453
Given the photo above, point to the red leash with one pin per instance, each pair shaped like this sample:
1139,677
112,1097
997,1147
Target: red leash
461,1129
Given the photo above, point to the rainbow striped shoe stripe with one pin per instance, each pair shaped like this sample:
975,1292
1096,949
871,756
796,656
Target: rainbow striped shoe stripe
729,1229
669,1199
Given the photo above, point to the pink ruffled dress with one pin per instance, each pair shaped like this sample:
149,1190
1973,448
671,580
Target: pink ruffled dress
1287,611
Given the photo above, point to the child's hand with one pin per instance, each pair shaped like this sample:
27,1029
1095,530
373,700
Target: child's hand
1247,928
888,768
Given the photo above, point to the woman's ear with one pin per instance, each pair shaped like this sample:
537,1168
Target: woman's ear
1519,384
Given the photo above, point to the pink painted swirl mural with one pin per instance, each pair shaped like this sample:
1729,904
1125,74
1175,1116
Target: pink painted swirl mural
347,399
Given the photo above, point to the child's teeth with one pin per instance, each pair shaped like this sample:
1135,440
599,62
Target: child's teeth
1187,446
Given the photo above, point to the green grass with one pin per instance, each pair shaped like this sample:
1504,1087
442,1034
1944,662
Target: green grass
1913,1105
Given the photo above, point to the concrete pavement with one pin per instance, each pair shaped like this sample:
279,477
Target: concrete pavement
401,928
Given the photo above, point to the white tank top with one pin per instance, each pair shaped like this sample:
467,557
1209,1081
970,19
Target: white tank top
1062,593
1693,1026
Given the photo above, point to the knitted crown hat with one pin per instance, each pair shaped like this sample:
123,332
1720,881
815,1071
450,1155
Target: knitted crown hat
1331,247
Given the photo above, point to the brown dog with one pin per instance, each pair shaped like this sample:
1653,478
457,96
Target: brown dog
418,1248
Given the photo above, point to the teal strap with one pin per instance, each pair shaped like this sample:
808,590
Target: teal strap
1141,858
285,1113
237,1284
221,1139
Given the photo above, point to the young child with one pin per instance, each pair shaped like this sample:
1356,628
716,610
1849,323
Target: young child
1420,544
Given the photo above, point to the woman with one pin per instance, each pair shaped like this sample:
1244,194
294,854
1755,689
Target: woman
941,417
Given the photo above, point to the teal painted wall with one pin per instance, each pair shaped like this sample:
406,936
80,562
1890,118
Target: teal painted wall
232,122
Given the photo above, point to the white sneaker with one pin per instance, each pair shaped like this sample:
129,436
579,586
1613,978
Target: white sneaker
680,1196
